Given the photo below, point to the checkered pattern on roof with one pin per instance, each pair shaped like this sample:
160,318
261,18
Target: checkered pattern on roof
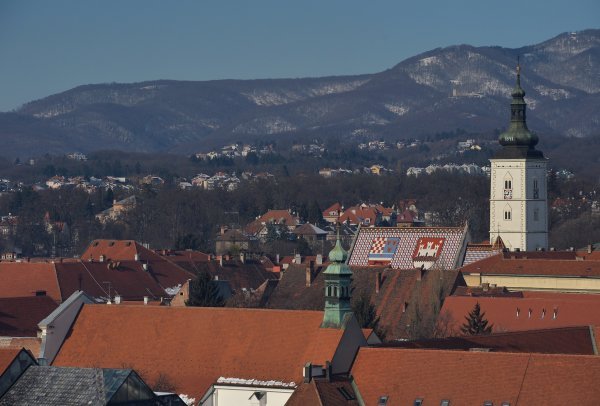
383,248
474,254
408,239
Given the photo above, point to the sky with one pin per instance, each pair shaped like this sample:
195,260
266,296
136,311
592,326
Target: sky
48,47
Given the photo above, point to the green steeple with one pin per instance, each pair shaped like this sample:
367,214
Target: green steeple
518,141
338,278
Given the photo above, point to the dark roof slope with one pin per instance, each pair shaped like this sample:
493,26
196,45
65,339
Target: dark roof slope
567,340
20,316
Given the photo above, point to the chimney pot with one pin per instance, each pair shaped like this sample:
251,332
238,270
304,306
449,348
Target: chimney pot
146,299
117,299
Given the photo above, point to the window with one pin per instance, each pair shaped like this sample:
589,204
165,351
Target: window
418,402
507,184
335,291
507,215
382,401
536,190
445,402
536,214
346,394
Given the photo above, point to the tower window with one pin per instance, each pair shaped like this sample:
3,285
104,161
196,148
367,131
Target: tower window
536,214
508,184
335,291
507,215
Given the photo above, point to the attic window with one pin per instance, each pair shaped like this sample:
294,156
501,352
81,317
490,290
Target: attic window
488,403
347,395
418,402
96,243
382,401
445,402
128,244
110,244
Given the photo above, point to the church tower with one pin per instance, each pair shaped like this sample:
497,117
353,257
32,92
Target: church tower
338,278
518,193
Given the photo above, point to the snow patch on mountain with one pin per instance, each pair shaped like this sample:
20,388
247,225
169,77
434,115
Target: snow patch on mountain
554,94
265,125
397,109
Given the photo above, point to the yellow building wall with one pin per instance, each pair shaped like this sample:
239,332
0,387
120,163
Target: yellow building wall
548,283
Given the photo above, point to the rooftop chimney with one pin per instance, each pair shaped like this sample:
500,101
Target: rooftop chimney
276,259
307,372
308,276
590,248
117,299
377,282
485,286
297,259
420,272
220,258
146,299
243,257
102,258
319,259
136,257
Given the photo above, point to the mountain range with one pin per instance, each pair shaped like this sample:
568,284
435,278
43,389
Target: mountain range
440,90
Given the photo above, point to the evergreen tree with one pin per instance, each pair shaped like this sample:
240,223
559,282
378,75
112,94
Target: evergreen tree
475,323
204,292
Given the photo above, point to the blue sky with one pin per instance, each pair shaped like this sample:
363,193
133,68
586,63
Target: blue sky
51,46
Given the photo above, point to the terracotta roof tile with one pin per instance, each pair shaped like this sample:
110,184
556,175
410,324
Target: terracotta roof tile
25,278
471,378
195,346
31,344
561,310
536,263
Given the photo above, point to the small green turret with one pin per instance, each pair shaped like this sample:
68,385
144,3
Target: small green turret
518,141
338,279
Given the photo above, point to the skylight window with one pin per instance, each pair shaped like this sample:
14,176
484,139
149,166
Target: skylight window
418,402
382,401
347,395
445,402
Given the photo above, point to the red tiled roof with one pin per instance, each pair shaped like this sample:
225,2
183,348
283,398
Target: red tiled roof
118,250
193,347
25,278
323,392
471,378
358,215
571,310
126,278
19,316
536,263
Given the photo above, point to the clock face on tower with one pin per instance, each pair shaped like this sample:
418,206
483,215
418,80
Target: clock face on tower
507,194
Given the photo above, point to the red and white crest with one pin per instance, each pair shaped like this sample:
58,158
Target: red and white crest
428,247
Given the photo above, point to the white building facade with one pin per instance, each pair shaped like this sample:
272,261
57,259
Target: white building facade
518,192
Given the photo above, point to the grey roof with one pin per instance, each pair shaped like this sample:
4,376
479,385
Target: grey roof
46,385
64,305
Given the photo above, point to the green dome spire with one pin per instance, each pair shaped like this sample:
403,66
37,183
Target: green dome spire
518,140
338,254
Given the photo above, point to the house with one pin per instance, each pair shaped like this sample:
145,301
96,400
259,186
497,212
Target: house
118,209
532,311
78,386
558,271
363,215
284,218
422,377
332,213
13,362
238,336
235,240
310,233
410,247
